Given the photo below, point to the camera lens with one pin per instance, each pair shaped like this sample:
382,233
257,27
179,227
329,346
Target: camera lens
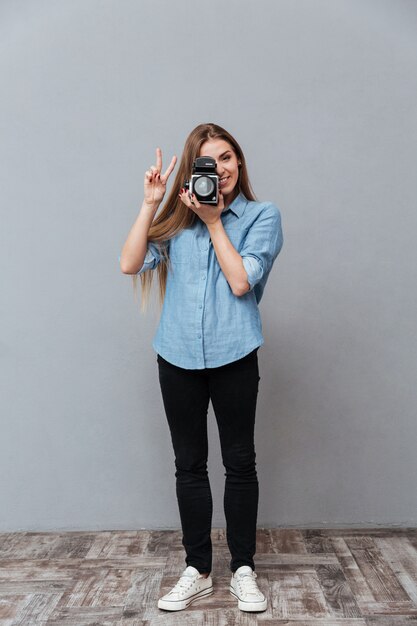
204,186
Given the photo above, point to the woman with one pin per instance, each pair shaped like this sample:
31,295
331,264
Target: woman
213,262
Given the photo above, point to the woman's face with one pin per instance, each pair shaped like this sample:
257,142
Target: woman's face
227,166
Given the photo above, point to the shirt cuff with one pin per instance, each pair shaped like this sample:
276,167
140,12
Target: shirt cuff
253,270
148,261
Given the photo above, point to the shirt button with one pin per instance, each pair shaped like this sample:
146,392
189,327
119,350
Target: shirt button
200,306
203,277
199,336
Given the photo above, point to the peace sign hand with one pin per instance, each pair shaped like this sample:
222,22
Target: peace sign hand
209,213
155,182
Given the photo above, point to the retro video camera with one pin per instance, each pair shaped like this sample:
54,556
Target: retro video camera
204,180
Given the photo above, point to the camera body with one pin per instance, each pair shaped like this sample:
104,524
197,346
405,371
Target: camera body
204,182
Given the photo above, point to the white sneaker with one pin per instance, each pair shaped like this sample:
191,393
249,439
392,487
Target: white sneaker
244,587
190,587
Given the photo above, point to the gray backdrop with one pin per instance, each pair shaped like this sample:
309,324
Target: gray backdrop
322,97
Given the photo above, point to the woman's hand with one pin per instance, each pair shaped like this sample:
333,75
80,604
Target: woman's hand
209,213
155,182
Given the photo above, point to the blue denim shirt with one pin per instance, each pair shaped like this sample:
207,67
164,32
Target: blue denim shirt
203,324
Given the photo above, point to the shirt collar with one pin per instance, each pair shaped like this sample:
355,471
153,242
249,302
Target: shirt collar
238,205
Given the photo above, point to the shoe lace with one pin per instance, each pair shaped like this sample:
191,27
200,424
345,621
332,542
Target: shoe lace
183,584
248,583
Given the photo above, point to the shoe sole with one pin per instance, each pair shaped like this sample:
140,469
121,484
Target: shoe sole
179,605
249,606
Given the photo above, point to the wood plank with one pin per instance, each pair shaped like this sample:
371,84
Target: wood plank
323,577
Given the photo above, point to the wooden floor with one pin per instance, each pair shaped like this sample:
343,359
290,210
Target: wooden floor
311,577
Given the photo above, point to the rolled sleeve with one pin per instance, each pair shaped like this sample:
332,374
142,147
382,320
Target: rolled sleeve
262,245
253,270
152,258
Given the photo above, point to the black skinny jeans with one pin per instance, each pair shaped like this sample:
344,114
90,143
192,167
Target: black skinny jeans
233,389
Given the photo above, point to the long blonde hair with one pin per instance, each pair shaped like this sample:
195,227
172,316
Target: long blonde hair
174,216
